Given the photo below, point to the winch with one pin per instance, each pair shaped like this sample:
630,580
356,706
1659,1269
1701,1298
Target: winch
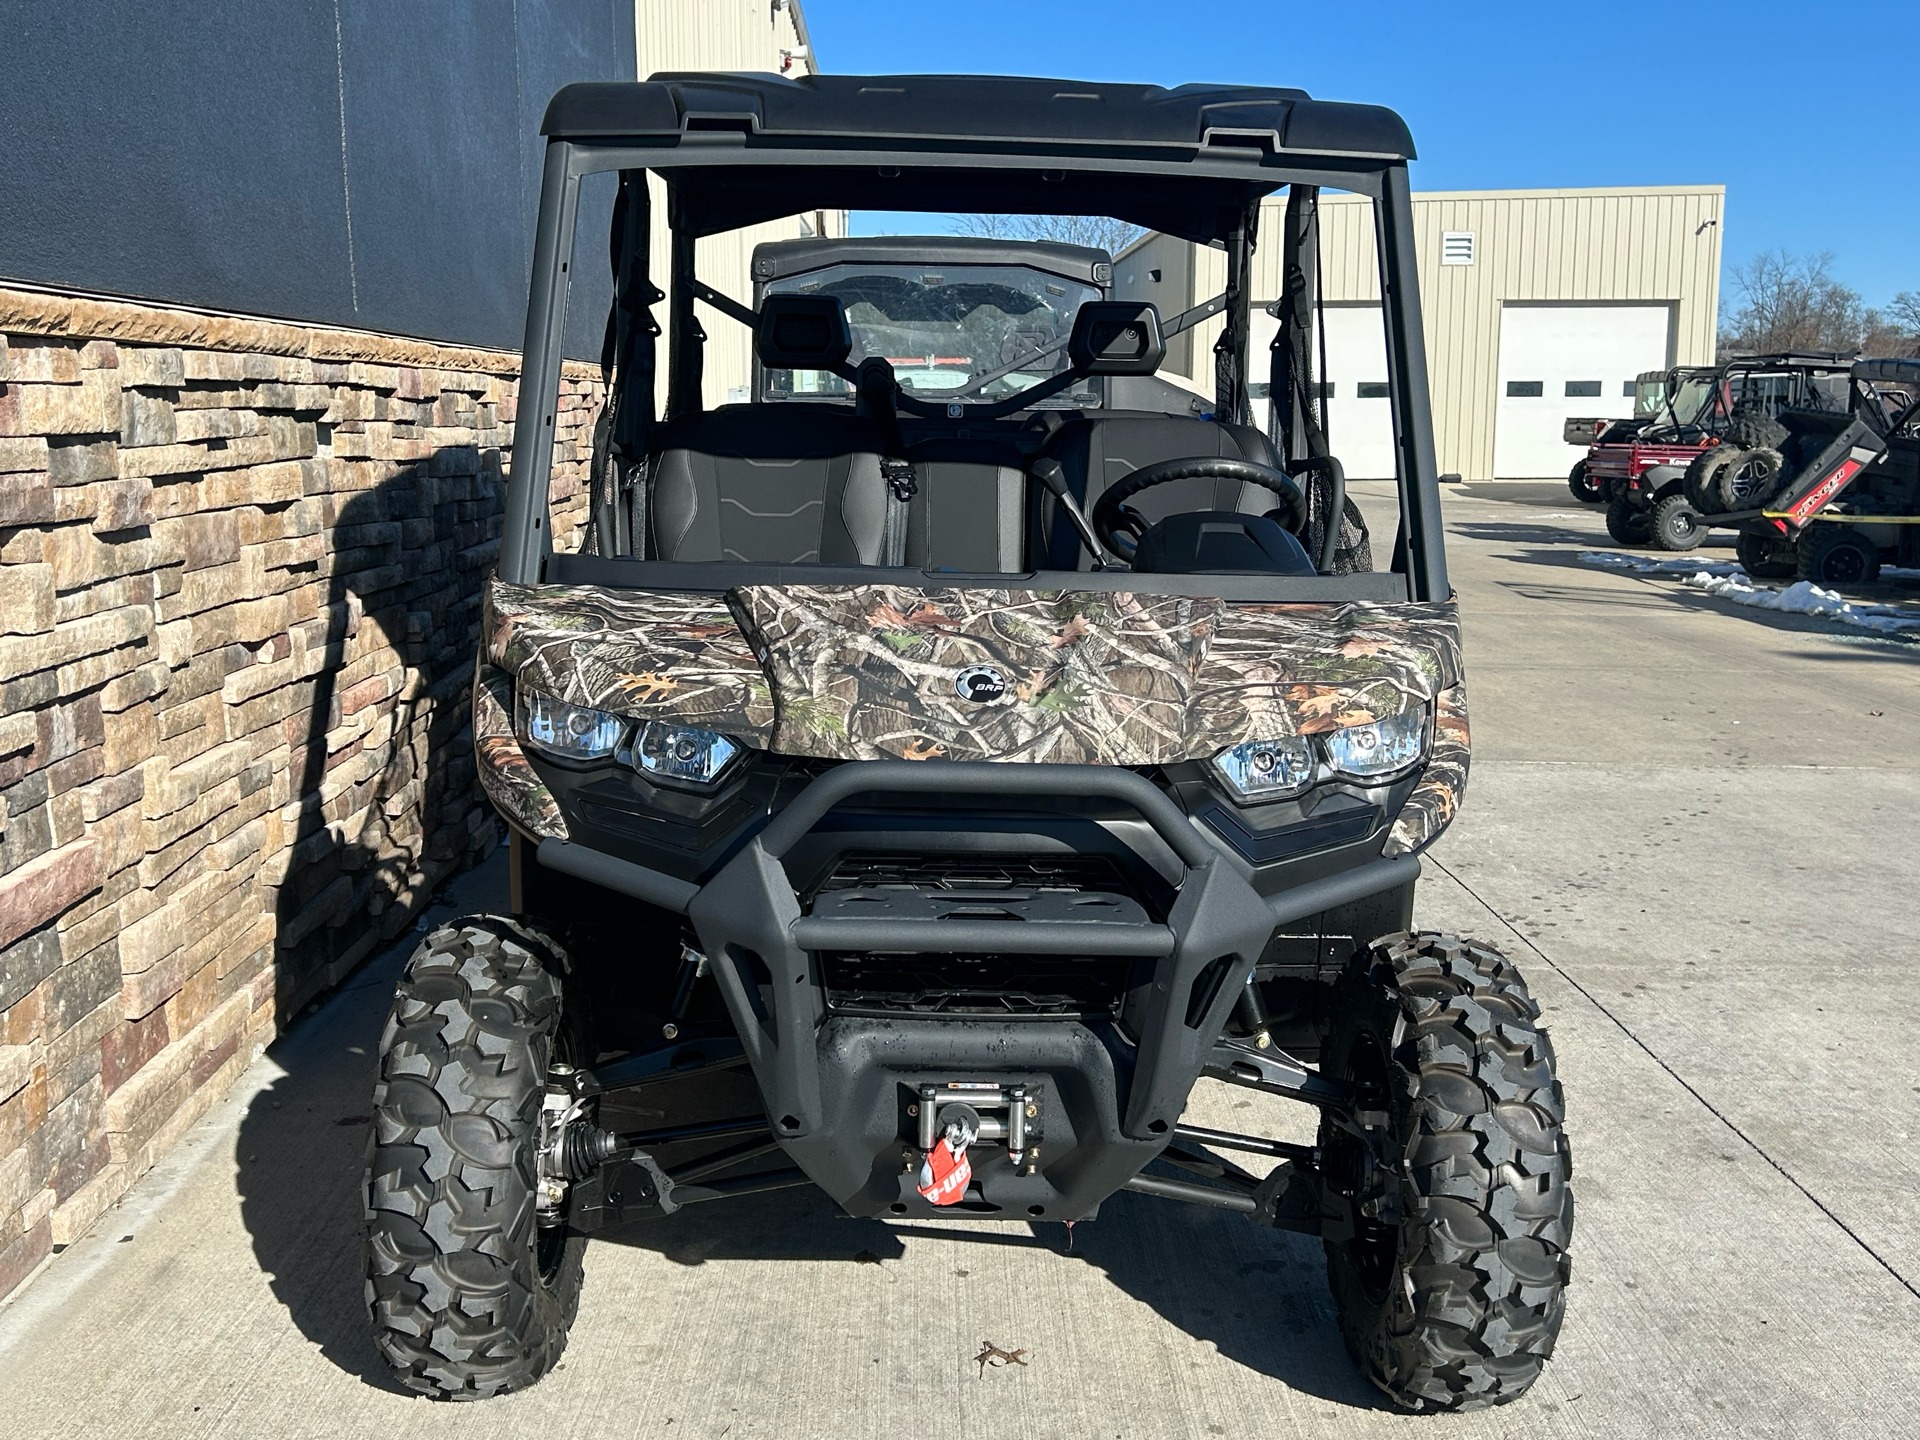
953,1115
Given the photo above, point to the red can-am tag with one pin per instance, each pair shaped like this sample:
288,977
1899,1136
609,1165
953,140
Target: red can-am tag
945,1174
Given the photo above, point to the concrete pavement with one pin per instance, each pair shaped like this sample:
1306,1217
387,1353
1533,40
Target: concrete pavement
1692,824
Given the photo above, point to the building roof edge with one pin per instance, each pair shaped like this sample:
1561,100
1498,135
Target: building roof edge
1567,193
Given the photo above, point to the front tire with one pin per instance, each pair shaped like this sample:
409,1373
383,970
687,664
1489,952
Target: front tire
1457,1305
469,1292
1585,489
1629,526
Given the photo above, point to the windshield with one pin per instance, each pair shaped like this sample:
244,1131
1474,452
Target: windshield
1691,398
1768,393
1648,397
944,328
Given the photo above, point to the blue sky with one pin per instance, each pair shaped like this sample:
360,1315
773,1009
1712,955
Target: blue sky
1762,98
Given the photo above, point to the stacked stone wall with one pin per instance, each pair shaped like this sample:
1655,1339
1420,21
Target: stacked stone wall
239,574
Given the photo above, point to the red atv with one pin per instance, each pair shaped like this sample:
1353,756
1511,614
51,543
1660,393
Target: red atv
1651,389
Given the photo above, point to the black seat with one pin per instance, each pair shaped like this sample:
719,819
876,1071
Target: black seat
784,484
1097,450
969,512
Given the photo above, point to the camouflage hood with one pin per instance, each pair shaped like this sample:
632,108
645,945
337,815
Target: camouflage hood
872,671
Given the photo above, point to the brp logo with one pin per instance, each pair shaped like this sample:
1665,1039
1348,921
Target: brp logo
982,684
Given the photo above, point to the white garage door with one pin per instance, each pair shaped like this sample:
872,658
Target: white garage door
1359,414
1558,361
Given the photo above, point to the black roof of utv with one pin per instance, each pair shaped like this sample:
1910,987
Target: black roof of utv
741,149
982,108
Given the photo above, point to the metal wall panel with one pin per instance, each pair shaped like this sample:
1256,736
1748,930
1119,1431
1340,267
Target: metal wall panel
1657,244
721,35
341,161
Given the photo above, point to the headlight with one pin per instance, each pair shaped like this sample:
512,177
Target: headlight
1277,769
1380,747
679,752
568,733
1268,769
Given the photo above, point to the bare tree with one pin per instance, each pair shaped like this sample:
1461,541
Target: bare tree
1794,303
1100,231
1885,335
1901,327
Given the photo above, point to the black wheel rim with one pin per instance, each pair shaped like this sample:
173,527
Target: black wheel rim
1845,566
1375,1247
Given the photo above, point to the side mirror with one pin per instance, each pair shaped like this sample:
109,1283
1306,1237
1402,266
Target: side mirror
1116,337
802,332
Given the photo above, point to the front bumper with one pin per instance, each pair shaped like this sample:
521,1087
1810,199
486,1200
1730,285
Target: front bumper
1108,1092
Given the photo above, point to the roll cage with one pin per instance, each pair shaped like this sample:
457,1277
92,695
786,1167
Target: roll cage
1194,162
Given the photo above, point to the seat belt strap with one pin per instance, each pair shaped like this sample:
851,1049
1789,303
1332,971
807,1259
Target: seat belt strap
902,486
875,383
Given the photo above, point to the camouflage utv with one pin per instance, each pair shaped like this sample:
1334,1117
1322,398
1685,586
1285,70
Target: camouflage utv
932,766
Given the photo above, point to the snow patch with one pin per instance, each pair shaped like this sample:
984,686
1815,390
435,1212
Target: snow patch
1806,598
1728,581
1646,565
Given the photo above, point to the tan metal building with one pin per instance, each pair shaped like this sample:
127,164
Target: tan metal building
1539,304
726,35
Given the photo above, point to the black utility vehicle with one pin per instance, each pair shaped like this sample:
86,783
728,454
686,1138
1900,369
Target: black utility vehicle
1848,496
936,764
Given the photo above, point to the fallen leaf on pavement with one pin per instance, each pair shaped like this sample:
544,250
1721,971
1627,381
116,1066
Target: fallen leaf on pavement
992,1354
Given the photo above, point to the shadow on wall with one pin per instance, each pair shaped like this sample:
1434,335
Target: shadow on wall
381,760
383,744
381,757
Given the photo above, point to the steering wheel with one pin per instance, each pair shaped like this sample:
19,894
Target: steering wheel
1120,526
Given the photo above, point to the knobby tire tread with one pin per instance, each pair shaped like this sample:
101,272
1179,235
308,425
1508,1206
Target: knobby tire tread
1754,430
1628,526
1816,551
1701,483
459,1306
1477,1294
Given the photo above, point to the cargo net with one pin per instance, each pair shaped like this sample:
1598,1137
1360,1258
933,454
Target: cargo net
1353,552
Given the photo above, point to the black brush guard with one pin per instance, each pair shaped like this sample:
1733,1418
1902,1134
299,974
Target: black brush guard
837,1088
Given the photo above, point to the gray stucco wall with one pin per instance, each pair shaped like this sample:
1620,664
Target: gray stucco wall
353,162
